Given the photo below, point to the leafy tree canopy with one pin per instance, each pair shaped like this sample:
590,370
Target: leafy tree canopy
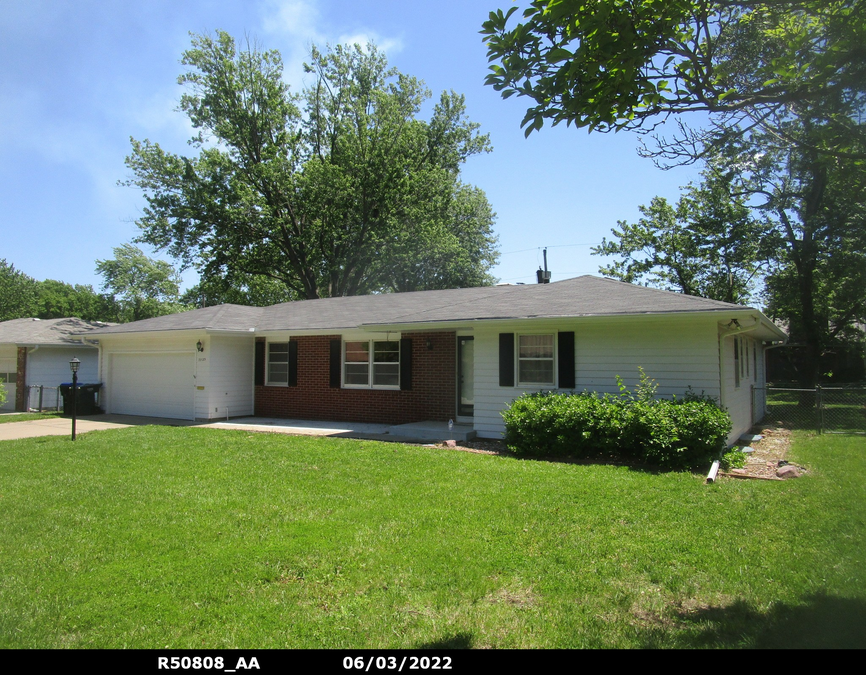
326,193
17,293
142,287
630,64
449,244
250,290
57,300
816,206
709,245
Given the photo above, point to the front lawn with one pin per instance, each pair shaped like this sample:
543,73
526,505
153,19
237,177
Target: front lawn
154,537
26,417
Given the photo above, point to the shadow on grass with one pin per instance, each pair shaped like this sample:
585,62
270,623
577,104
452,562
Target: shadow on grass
499,449
822,622
458,641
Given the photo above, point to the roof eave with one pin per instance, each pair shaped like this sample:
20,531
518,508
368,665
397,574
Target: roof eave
736,312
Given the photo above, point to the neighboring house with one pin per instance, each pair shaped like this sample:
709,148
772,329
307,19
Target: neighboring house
461,354
38,352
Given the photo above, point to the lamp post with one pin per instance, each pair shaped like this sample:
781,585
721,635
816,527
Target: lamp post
74,365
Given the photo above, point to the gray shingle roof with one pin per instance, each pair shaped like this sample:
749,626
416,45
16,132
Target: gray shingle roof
577,297
581,296
219,317
46,331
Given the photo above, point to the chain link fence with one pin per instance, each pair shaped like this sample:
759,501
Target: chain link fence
822,409
42,398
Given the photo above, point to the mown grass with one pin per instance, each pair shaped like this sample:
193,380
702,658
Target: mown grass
156,537
26,417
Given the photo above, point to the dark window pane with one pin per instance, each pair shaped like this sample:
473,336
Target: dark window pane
357,373
386,374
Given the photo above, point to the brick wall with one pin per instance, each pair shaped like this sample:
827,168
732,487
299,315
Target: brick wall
432,396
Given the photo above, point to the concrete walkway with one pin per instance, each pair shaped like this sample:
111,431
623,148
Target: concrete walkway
416,432
62,426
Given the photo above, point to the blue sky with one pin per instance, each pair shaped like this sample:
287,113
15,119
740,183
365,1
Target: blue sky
79,78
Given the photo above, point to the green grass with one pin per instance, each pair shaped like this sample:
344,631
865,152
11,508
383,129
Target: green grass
26,417
156,537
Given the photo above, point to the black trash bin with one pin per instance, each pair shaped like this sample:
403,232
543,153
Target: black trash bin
85,403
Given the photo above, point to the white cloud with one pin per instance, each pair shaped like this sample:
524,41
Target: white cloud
296,18
298,25
387,45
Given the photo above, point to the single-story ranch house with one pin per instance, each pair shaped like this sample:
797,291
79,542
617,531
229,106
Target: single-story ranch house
38,352
461,354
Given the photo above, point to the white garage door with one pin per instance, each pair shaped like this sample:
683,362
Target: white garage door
153,385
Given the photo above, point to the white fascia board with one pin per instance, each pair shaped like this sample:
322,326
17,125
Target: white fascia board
71,345
544,321
346,333
230,331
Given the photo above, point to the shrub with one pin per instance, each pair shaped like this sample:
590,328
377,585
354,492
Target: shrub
733,459
675,433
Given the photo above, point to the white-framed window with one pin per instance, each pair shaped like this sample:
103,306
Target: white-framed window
536,359
371,364
278,363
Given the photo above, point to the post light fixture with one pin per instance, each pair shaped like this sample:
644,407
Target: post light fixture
74,365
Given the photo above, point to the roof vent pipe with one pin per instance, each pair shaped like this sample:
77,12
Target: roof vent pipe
543,274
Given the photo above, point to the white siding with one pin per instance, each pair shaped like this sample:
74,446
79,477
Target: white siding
737,397
675,351
232,362
49,366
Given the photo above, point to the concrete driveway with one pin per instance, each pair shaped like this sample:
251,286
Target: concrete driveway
419,432
62,426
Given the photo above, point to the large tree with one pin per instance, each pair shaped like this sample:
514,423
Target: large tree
141,287
447,243
57,299
17,293
710,244
631,64
816,205
238,289
318,192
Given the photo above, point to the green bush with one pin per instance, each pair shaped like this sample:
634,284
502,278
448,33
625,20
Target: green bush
733,459
672,433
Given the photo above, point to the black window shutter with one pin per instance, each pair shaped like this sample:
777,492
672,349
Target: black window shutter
506,359
566,360
260,364
336,357
293,363
406,364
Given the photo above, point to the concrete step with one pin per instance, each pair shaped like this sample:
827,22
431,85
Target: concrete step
433,431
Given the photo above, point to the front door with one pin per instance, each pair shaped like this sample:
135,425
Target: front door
465,376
